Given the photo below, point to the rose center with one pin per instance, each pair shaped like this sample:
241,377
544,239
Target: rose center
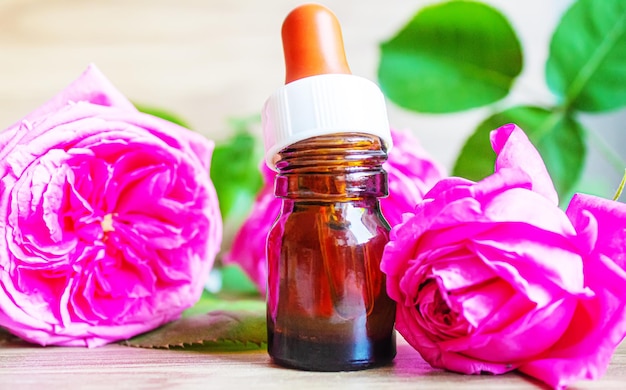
107,223
443,311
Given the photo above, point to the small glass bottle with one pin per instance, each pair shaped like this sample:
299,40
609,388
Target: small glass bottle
328,309
327,135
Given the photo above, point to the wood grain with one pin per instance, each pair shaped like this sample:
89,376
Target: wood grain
24,366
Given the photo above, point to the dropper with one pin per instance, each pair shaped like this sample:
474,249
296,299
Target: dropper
320,95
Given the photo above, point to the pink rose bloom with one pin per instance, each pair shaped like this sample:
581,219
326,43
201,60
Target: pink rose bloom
493,276
108,220
411,174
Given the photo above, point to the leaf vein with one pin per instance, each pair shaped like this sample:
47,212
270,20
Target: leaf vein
595,60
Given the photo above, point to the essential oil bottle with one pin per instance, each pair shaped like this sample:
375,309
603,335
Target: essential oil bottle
327,135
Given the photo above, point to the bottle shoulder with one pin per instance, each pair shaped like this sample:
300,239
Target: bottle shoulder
350,223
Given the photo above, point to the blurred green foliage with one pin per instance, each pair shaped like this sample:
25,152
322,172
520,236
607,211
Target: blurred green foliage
235,169
462,54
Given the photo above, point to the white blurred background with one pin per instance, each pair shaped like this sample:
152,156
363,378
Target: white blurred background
210,60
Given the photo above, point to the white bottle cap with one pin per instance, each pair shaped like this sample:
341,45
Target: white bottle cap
320,105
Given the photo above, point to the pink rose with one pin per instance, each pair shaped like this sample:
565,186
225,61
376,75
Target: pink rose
411,174
493,276
109,223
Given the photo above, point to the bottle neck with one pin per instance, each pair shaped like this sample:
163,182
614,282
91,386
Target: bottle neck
335,167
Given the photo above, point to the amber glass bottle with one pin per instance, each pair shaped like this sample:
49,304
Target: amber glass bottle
327,304
327,135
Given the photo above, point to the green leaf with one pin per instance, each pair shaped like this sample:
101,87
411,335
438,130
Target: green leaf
235,280
451,57
557,136
586,66
216,330
235,171
163,114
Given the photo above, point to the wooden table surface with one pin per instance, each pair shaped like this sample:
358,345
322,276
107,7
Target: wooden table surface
24,366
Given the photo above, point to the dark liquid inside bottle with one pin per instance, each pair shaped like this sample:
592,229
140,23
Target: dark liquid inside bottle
327,304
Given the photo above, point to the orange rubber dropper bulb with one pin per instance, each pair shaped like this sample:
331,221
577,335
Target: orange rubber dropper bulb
313,43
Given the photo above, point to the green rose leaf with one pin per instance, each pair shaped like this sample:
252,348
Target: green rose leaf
217,330
235,171
451,57
557,136
586,66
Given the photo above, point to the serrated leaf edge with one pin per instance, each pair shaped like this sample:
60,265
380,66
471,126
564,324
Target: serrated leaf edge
127,343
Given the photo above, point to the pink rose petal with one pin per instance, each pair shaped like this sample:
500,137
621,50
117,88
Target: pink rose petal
515,150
